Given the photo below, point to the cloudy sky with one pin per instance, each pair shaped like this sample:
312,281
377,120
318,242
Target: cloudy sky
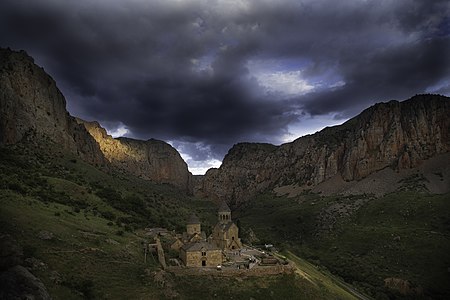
206,74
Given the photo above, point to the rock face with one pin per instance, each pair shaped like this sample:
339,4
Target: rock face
19,283
32,108
396,134
151,160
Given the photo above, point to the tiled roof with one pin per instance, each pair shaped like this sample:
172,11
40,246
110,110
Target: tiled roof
224,207
193,219
225,226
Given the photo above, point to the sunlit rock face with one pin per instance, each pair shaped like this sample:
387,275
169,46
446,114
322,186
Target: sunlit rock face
396,135
32,108
151,160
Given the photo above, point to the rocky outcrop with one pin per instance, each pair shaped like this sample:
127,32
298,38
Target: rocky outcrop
396,134
151,160
32,108
19,283
16,282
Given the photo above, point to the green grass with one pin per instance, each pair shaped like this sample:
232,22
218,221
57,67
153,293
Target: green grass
85,208
288,286
403,235
317,277
78,250
55,192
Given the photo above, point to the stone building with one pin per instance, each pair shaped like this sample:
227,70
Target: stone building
201,254
226,233
175,244
197,251
193,231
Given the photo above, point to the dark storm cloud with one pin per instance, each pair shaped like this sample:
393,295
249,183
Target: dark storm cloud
192,71
392,74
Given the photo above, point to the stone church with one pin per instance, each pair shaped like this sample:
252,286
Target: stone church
226,233
197,251
201,254
193,231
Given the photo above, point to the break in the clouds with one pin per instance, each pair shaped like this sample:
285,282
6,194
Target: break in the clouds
204,74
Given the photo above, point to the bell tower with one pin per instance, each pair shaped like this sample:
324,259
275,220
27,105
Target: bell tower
193,225
224,213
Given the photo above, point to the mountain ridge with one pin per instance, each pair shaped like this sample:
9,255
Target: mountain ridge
398,135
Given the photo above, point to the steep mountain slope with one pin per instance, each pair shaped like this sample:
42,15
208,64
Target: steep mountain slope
397,135
32,108
151,160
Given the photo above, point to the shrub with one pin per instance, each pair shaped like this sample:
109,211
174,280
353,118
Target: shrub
29,251
108,215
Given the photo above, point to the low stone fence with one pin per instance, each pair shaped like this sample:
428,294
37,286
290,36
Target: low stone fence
231,272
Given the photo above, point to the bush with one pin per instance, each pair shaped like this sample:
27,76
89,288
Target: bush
29,251
86,287
108,215
110,195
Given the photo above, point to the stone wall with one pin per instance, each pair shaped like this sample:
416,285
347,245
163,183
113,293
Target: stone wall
228,272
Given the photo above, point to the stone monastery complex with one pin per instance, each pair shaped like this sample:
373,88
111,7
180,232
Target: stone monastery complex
196,250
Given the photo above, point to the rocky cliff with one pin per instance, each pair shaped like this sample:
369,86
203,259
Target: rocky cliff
32,108
151,160
396,134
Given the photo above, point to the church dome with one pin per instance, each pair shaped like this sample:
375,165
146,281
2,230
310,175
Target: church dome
193,219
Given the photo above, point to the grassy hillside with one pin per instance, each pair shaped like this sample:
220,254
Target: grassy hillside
80,231
95,220
363,239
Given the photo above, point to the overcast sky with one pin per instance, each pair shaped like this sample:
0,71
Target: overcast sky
204,75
